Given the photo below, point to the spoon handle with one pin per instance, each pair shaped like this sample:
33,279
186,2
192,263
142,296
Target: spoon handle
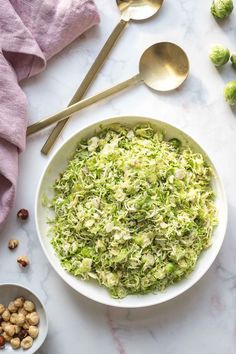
87,81
34,128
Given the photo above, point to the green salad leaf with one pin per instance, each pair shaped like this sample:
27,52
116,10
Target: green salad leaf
133,210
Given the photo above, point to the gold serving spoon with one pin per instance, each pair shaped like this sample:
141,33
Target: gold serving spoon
163,67
136,10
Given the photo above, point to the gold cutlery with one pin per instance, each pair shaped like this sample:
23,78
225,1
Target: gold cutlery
163,67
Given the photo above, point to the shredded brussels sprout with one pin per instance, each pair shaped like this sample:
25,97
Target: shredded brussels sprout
133,210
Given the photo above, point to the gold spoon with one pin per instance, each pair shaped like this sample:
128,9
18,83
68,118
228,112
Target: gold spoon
130,10
163,67
138,9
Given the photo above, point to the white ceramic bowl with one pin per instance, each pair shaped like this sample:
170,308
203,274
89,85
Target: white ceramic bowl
91,289
9,292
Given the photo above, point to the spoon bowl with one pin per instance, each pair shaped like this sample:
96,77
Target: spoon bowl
164,66
138,9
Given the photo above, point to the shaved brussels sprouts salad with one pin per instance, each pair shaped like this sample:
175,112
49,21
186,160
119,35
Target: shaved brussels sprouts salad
132,210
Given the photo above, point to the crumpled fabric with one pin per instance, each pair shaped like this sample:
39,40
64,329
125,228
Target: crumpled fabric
31,32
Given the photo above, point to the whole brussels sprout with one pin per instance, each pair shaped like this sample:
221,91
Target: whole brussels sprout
219,55
222,8
233,60
230,92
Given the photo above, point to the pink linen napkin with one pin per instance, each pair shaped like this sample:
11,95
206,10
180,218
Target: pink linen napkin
31,32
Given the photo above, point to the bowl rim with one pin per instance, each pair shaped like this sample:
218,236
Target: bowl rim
220,183
42,305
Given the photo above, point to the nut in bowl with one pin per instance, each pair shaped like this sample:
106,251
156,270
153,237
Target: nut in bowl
24,323
147,239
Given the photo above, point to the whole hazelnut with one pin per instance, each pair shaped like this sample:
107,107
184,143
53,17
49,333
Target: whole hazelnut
22,334
11,307
10,330
26,325
20,320
19,302
27,342
13,318
12,244
2,309
33,331
23,261
23,214
6,337
2,341
6,315
15,343
29,306
3,325
23,311
33,318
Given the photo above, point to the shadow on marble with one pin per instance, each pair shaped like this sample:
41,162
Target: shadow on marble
192,90
233,109
179,306
197,92
227,25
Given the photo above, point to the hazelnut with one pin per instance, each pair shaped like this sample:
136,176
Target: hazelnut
27,342
15,343
23,214
29,306
10,330
19,302
6,337
6,315
20,320
33,318
3,325
23,311
2,309
12,244
33,331
17,329
13,318
26,325
2,341
1,330
22,334
11,307
23,261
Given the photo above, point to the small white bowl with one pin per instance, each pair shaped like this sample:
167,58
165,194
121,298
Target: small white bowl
91,289
9,292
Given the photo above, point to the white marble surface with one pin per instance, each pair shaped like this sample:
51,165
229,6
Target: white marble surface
203,320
